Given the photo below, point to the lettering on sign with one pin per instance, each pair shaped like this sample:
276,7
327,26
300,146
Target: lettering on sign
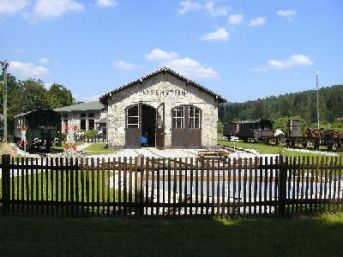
164,92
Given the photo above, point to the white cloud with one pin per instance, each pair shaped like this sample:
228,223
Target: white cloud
13,6
27,68
106,3
46,9
43,60
258,21
235,19
122,65
191,68
219,35
189,6
158,54
215,10
288,14
293,61
184,65
209,6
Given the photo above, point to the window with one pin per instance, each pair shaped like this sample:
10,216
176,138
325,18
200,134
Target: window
178,117
83,125
90,124
65,125
133,117
91,115
193,117
83,115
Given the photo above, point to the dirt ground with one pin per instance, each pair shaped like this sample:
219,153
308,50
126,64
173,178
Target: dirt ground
7,149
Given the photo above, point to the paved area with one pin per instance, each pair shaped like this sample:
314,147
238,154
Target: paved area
153,152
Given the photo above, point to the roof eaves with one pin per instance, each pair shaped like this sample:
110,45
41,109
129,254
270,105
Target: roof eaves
104,97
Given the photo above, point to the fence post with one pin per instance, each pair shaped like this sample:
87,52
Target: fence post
282,179
139,180
5,182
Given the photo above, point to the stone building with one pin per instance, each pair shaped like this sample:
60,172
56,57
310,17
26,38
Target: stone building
163,110
86,116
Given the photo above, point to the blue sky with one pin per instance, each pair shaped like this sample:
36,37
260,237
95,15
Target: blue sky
242,49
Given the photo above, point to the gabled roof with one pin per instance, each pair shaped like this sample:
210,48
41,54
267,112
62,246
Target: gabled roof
163,70
33,111
90,106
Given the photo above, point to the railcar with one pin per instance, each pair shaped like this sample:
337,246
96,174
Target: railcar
258,130
37,130
262,131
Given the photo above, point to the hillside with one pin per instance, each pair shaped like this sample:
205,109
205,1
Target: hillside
300,103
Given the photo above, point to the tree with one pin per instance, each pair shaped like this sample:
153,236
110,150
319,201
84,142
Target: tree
33,95
220,127
283,122
59,96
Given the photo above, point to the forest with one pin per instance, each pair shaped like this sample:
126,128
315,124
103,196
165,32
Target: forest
301,104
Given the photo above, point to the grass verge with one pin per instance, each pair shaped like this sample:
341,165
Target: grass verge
49,236
98,148
268,149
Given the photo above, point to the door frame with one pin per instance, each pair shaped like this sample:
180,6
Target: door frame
160,128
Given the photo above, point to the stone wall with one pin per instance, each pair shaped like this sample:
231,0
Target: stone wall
154,91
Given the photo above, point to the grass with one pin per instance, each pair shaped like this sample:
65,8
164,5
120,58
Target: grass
268,149
98,148
101,237
261,148
53,185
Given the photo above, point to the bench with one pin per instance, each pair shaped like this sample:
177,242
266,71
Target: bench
213,154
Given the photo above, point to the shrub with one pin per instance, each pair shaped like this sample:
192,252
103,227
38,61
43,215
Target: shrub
90,133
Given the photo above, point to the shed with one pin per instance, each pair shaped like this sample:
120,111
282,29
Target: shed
163,108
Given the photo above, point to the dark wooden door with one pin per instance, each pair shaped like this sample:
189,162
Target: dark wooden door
188,135
160,113
132,137
133,126
193,139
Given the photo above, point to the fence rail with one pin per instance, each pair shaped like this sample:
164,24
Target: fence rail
171,187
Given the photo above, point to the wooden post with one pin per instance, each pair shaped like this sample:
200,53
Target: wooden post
282,179
5,182
139,182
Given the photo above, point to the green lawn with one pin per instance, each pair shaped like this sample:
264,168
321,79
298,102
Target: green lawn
319,236
52,186
98,148
267,149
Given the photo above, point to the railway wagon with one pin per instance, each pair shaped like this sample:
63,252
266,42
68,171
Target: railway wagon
329,138
255,130
231,129
40,127
259,130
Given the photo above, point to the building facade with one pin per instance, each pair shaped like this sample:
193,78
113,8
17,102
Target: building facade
162,110
86,116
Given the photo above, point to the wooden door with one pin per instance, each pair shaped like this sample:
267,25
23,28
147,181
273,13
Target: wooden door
133,126
160,113
186,127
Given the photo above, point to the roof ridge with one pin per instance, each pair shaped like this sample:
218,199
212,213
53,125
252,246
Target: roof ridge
151,74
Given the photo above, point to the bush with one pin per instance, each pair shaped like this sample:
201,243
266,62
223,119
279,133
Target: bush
90,133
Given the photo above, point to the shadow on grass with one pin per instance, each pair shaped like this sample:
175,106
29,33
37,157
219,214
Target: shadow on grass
49,236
